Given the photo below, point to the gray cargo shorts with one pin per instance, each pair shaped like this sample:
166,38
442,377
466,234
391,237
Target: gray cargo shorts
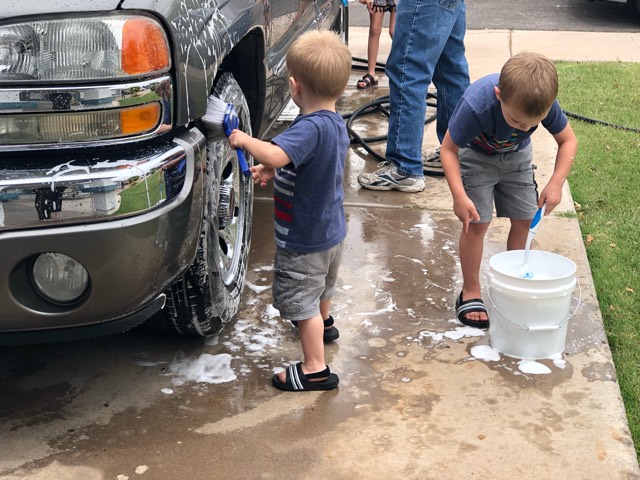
302,280
507,179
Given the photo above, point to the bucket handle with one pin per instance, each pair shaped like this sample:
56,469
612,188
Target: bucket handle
541,328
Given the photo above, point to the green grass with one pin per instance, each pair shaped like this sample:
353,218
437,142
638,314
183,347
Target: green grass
604,184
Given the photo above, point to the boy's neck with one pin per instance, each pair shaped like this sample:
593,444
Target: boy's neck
315,105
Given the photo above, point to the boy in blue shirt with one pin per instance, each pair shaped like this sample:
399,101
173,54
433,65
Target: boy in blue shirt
486,158
306,163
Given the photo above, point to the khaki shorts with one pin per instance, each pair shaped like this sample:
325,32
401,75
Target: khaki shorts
302,280
506,179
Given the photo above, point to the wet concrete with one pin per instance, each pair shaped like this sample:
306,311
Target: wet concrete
414,400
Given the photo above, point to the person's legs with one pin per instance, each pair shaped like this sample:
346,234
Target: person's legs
311,331
471,248
418,40
375,30
422,29
451,79
451,75
325,307
392,22
373,46
518,233
305,299
331,333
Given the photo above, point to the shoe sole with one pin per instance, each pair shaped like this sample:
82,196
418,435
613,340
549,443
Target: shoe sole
397,189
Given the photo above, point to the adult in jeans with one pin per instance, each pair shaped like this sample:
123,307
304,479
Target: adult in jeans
428,45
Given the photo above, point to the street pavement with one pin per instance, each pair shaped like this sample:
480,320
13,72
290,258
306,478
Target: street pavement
420,397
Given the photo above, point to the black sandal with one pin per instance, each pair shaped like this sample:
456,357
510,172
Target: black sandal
468,306
297,381
330,334
366,81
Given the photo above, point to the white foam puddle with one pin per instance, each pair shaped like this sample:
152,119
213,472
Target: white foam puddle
558,362
206,368
486,353
457,334
465,331
272,312
257,288
532,367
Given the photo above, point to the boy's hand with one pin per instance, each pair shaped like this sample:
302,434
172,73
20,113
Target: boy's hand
262,175
551,195
238,139
466,211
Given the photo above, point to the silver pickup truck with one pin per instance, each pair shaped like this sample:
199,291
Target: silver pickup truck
115,207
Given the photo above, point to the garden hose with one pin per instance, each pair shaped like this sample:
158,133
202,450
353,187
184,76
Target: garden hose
600,122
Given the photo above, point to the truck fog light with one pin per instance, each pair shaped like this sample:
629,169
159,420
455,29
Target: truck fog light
59,278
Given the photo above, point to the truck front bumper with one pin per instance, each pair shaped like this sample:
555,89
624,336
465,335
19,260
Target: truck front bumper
133,223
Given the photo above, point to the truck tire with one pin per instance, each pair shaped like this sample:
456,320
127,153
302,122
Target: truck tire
204,299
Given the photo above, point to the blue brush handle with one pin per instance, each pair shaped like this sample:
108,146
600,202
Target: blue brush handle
243,162
535,223
230,123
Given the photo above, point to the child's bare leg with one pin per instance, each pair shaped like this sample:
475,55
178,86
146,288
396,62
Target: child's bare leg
325,307
471,248
392,23
311,332
373,46
518,233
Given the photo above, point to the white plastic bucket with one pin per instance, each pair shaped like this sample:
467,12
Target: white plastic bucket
529,316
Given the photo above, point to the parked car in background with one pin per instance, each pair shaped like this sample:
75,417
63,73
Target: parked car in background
115,207
634,4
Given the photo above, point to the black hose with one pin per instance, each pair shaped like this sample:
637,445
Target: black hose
600,122
379,106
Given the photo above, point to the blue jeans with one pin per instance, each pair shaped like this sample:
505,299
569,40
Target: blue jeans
428,45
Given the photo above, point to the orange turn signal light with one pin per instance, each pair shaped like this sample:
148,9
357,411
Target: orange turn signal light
144,47
141,119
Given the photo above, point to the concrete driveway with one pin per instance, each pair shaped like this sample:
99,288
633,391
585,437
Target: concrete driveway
420,396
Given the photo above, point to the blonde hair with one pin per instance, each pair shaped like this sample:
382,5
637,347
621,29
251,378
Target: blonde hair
529,81
321,62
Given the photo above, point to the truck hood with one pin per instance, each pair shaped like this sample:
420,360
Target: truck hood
14,8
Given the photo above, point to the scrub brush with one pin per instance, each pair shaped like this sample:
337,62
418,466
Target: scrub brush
220,119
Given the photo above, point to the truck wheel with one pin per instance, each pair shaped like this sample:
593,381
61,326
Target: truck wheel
207,295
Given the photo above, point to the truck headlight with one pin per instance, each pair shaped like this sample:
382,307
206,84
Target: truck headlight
85,48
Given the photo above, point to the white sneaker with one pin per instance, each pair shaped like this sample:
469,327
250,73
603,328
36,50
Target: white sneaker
387,177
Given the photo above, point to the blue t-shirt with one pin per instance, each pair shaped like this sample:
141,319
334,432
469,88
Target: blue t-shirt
308,192
478,123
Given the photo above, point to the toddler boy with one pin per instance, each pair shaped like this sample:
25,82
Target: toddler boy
306,163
